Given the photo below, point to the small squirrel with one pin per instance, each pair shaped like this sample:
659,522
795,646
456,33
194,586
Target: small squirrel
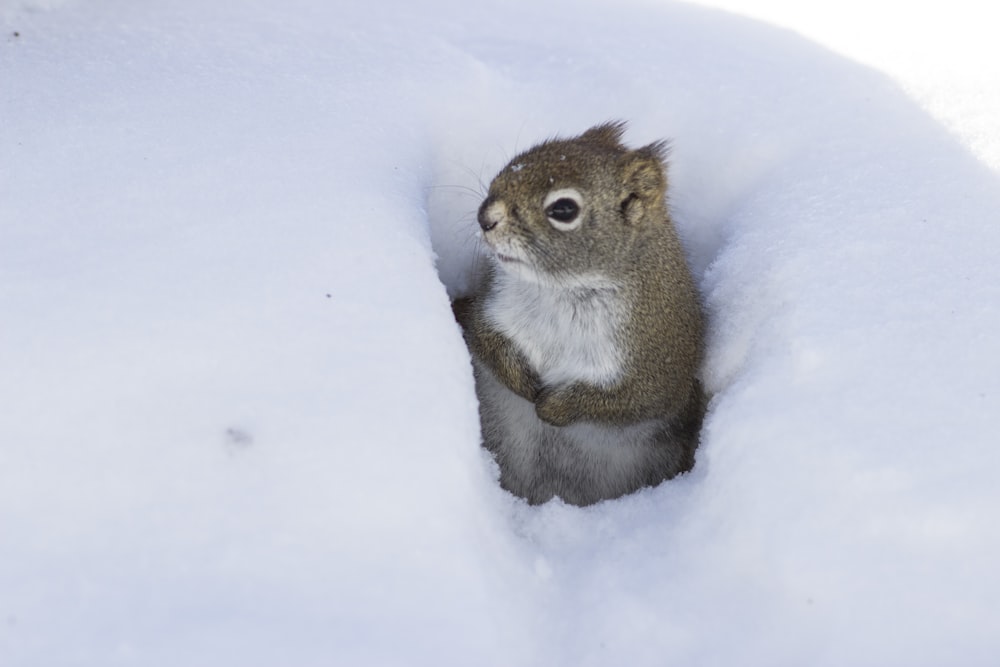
586,329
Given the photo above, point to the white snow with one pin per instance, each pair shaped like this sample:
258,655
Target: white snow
237,421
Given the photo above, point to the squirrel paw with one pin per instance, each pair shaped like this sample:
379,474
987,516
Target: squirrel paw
553,408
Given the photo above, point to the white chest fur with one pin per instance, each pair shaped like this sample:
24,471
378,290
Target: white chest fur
567,333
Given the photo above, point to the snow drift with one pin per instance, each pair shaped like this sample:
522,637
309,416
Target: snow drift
238,422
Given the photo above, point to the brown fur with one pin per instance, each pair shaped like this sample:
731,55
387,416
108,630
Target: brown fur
627,236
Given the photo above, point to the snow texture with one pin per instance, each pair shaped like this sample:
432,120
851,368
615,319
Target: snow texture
238,424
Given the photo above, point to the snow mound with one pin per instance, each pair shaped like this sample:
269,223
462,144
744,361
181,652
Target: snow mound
239,424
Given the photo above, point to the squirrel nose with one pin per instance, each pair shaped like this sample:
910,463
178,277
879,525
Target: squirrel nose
486,222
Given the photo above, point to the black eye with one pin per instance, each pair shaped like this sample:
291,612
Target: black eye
563,210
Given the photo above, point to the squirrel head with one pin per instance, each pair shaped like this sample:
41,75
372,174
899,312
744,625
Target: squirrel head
569,208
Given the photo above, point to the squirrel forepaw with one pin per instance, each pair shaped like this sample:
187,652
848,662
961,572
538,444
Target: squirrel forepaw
552,408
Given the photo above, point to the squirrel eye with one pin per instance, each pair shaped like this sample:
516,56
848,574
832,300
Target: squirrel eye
563,210
563,207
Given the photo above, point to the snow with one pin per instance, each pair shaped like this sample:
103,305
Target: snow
238,421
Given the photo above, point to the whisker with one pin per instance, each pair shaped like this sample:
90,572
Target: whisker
484,187
461,189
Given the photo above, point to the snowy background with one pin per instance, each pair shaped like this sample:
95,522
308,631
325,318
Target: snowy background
237,421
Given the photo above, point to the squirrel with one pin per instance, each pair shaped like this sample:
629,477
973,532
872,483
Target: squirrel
586,329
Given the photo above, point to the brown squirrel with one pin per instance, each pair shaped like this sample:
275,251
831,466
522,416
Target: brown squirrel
586,329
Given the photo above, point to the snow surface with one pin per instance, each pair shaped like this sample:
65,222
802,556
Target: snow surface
238,422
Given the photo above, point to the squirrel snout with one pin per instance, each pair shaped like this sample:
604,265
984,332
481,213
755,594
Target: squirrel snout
491,213
486,223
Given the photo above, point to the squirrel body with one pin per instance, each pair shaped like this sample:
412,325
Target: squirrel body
545,325
586,330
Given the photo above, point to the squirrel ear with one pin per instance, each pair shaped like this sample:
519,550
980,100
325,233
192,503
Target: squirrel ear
644,171
607,134
644,179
